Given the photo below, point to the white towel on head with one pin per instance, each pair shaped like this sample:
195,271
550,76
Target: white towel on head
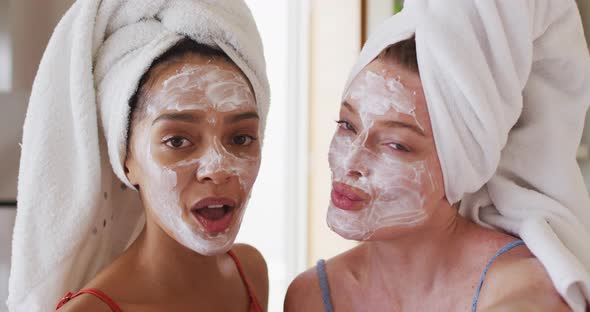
74,215
507,85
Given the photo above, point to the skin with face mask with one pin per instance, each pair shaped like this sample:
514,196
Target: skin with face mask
416,252
193,154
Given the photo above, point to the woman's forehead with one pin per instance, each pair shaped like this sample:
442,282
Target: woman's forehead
168,69
200,83
382,81
197,71
391,71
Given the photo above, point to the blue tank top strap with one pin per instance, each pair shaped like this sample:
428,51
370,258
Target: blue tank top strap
500,252
321,270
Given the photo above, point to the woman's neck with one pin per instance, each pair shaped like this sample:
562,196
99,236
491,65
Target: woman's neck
422,258
167,262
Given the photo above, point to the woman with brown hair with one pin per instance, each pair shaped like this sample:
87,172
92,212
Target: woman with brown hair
454,165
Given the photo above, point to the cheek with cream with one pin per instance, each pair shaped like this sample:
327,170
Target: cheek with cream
172,189
394,189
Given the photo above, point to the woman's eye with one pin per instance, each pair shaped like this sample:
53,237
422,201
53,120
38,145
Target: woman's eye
345,125
242,140
398,147
177,142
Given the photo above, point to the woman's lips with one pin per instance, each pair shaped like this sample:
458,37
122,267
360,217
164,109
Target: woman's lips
347,198
214,213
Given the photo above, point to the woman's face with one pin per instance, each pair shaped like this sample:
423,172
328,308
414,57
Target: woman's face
385,171
195,153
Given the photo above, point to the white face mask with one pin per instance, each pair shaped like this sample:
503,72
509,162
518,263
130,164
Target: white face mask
375,185
212,228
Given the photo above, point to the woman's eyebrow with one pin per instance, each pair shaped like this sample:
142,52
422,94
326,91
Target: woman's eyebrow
400,124
348,106
240,117
183,117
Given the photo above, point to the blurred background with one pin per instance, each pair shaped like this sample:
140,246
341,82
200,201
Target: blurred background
310,46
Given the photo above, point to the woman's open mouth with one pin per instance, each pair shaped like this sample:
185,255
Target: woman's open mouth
347,198
214,213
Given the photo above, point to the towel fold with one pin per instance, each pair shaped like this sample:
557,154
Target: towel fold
507,85
74,215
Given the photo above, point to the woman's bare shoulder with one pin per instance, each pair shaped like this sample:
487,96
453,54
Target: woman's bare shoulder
116,281
250,257
252,262
255,269
85,303
304,293
519,282
110,281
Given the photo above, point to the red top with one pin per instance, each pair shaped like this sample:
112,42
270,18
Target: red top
254,305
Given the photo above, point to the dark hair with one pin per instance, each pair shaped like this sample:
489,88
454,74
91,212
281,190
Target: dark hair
403,53
137,103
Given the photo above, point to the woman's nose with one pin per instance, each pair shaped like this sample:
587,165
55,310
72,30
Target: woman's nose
213,166
215,176
357,162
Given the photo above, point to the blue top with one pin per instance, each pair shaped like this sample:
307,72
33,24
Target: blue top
321,269
323,278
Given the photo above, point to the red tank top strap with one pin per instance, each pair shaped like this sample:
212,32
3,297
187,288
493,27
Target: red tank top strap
95,292
254,305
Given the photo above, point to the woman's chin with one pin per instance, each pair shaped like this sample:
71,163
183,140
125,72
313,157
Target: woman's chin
191,234
207,246
346,230
352,226
349,235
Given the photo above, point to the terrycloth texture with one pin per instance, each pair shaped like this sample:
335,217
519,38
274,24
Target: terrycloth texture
74,216
508,85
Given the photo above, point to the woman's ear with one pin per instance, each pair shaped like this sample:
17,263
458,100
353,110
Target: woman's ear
131,169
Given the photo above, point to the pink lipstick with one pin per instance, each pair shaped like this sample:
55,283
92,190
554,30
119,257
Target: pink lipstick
347,198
